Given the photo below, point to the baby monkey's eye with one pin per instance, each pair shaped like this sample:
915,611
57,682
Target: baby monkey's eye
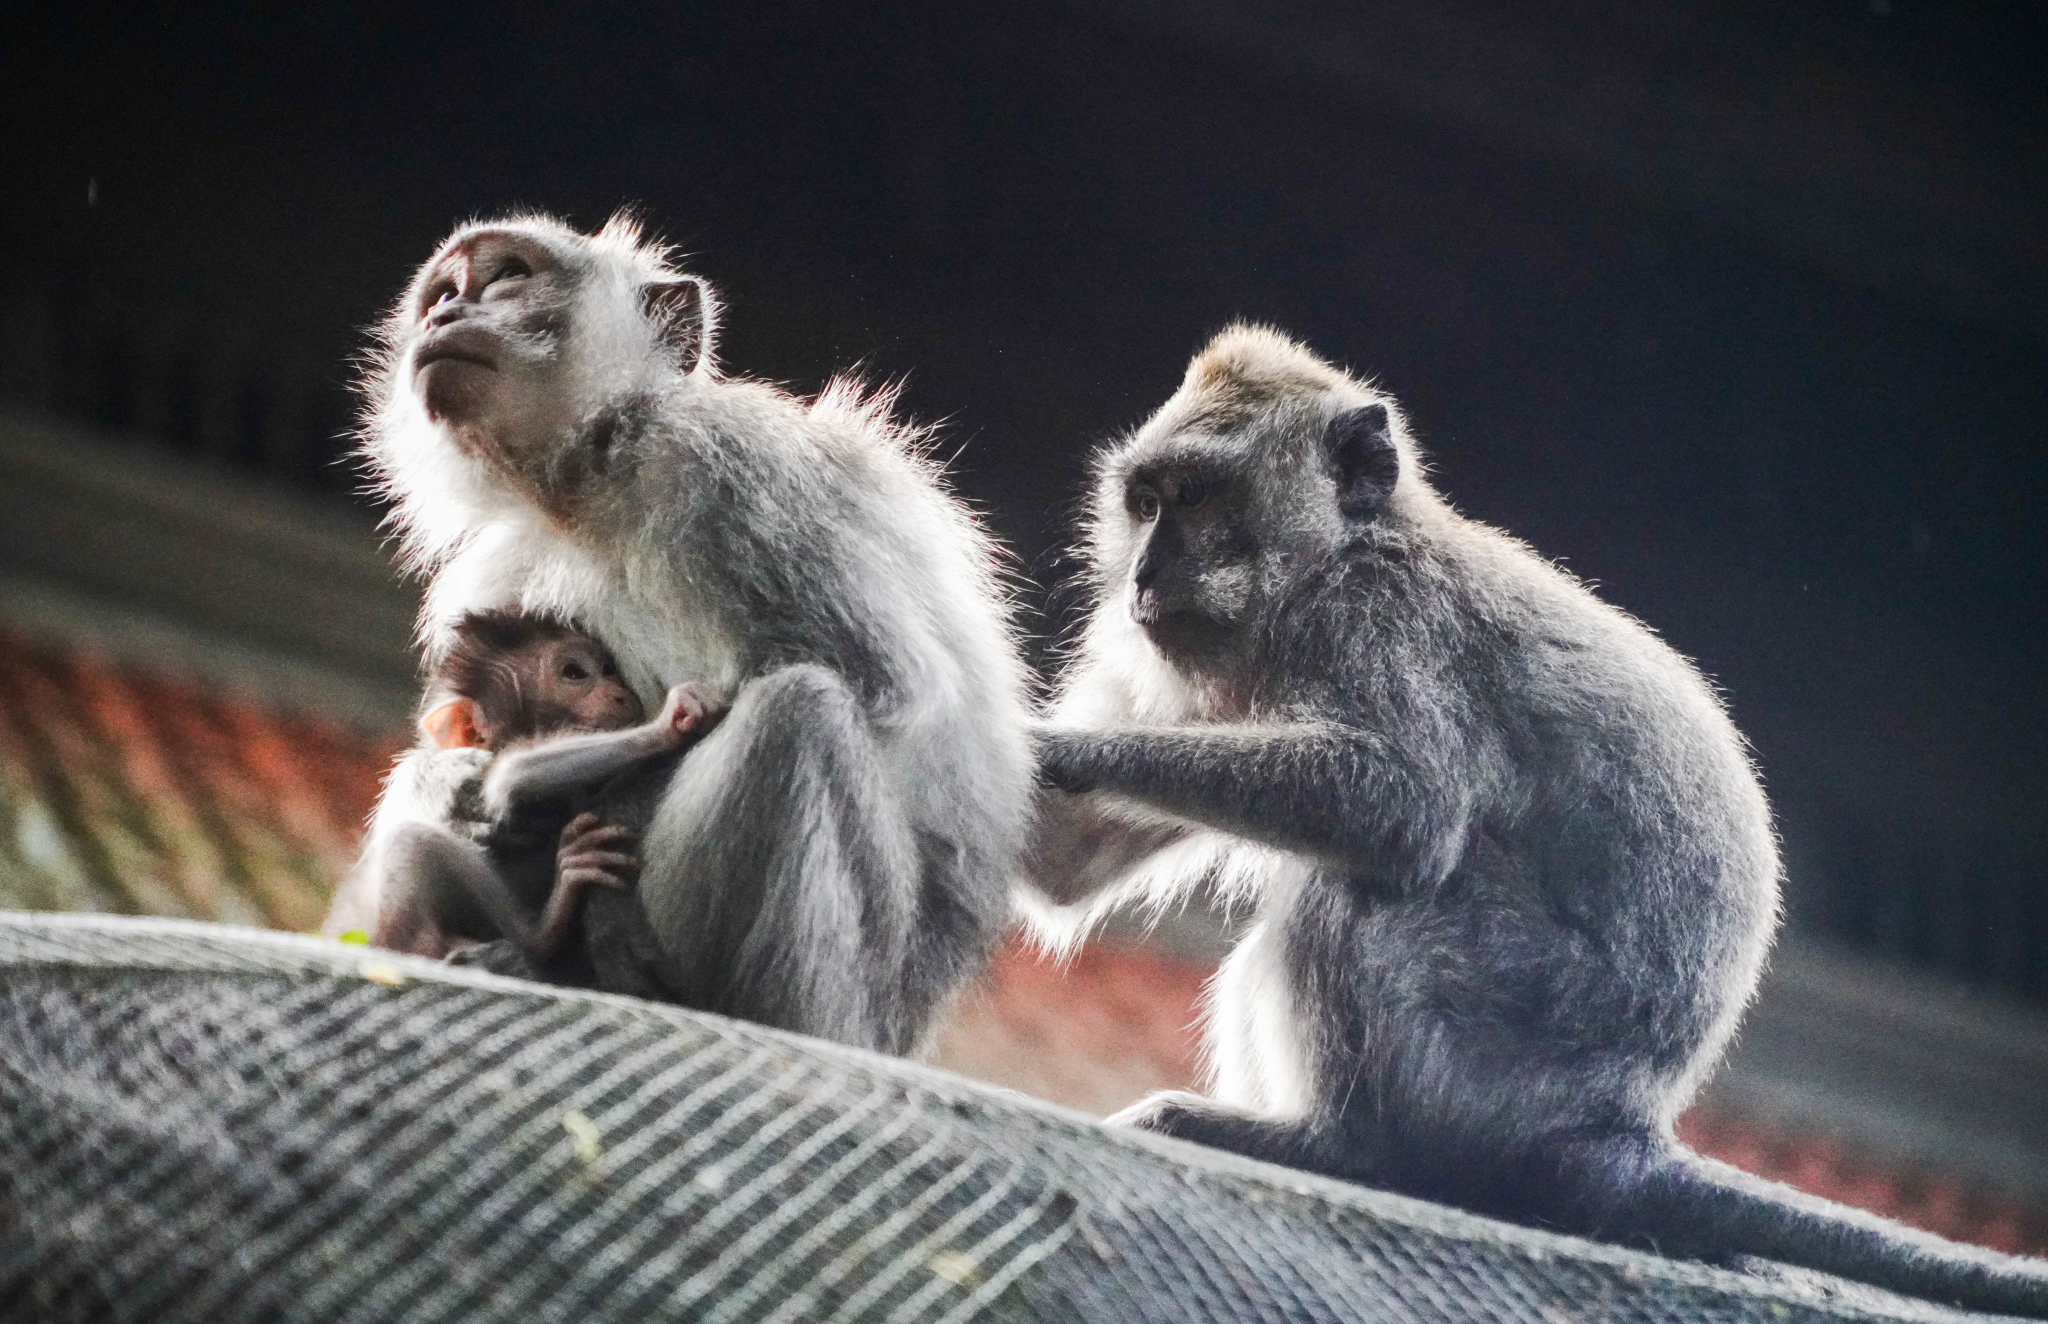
574,671
510,268
1193,491
1145,504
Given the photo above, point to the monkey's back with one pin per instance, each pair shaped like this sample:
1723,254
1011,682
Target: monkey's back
1620,875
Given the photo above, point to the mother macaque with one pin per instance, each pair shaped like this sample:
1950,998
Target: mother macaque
833,857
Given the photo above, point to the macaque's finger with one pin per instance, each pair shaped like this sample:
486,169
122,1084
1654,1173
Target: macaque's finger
591,878
579,825
622,866
608,834
623,844
615,861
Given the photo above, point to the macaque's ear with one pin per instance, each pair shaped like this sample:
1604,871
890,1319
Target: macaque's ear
684,316
453,725
1360,444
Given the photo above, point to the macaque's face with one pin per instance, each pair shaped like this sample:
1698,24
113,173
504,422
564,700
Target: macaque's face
1191,542
543,687
575,686
489,355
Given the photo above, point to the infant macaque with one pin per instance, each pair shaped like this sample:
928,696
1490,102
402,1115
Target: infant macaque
533,822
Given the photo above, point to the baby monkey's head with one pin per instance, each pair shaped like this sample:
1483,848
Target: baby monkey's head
512,676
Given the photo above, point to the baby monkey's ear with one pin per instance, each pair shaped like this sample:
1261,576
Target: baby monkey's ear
452,725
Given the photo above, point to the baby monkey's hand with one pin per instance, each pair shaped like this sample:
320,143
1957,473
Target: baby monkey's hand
594,853
591,853
689,714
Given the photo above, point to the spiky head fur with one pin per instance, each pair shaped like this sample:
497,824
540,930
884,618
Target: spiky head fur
616,346
1256,404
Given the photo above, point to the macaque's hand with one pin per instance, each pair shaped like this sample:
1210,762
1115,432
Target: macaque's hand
594,853
689,714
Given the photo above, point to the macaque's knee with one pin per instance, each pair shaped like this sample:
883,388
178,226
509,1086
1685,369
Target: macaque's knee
426,906
429,846
803,696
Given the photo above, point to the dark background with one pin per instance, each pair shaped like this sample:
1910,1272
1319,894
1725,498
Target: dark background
1738,309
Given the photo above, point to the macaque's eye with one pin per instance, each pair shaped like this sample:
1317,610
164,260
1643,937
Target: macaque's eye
1145,504
510,269
1193,492
441,294
575,670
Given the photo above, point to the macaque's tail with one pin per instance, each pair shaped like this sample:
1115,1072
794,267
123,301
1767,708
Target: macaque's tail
1696,1206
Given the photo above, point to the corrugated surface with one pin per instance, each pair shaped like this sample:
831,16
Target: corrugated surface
209,1124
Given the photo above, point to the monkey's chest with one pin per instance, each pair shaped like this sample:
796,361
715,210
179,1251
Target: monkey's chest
611,947
660,644
525,843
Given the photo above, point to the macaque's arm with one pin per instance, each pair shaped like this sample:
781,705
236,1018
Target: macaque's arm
1079,844
563,765
1337,793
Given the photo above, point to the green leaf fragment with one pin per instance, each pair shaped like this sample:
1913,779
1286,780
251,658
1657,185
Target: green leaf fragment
583,1137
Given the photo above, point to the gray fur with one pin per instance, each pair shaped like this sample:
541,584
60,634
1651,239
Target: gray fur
1515,878
832,858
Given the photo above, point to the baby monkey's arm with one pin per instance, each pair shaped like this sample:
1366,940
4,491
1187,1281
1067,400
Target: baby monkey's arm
561,766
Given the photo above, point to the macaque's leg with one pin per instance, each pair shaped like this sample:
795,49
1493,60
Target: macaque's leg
500,956
438,890
592,854
780,877
1206,1122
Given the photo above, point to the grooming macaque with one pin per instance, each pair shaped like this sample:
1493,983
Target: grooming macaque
521,839
833,858
1514,875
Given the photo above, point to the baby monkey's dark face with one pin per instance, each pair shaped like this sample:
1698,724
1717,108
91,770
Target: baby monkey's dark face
552,686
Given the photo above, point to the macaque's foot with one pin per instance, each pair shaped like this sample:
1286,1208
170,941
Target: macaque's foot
499,957
1170,1112
594,853
1186,1116
690,713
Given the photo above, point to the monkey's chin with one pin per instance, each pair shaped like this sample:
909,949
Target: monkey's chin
1188,635
453,390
